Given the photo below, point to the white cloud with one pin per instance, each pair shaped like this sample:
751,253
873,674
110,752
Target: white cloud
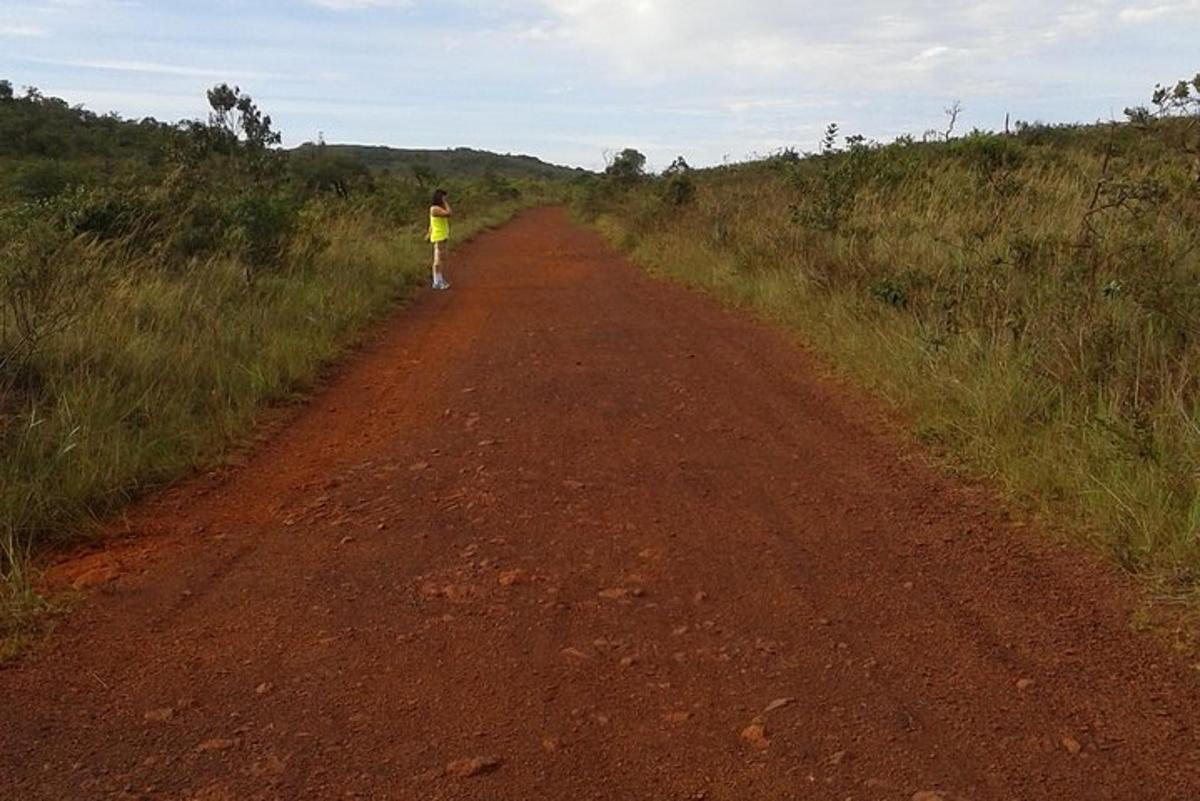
23,31
1141,12
877,42
153,68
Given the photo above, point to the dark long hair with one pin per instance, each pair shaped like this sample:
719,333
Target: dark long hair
439,197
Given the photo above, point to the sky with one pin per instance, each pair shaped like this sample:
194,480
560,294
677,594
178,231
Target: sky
572,81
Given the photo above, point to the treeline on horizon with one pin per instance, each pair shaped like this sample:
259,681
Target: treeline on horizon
1030,299
48,145
459,161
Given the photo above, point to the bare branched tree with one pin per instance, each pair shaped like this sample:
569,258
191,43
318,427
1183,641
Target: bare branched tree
952,111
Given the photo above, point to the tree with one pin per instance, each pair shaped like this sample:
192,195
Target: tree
237,117
678,167
952,113
6,91
321,171
237,131
1179,103
627,166
678,189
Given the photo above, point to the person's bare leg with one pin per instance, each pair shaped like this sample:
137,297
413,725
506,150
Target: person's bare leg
437,265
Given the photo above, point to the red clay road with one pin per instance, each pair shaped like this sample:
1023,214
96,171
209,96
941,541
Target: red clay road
566,532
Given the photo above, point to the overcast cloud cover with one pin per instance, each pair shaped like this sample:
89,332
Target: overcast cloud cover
568,79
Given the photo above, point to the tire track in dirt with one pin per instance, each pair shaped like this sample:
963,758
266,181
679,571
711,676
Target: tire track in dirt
629,543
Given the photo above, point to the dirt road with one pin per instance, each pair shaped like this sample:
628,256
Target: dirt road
608,541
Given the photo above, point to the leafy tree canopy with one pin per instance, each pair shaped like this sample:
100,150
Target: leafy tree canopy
628,165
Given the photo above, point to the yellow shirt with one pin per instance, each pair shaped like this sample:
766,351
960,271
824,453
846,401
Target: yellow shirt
439,228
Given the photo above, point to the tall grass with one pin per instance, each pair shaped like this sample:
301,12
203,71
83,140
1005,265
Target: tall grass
163,369
1033,304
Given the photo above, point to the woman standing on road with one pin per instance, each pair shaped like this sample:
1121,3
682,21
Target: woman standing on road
439,234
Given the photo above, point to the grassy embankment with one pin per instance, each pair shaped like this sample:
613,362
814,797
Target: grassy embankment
162,372
133,348
1032,303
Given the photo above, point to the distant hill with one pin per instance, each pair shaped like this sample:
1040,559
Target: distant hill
457,162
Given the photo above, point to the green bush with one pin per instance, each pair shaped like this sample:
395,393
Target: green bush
678,188
499,187
43,179
44,277
263,224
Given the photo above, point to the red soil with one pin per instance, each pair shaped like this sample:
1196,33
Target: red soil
565,532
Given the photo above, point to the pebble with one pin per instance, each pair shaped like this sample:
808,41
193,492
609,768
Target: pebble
159,715
928,795
467,768
1072,745
778,703
1024,684
512,577
756,735
216,744
95,577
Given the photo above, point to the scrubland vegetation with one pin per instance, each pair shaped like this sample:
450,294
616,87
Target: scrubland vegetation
160,284
1031,301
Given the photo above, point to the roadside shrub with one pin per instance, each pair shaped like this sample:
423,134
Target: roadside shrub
499,187
43,179
200,229
898,289
678,189
829,190
627,167
261,225
107,213
317,172
44,278
594,195
993,158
